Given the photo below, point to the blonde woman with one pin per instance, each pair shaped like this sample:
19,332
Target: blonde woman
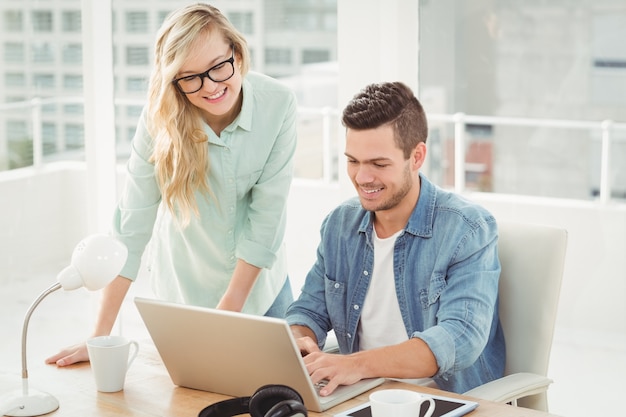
207,179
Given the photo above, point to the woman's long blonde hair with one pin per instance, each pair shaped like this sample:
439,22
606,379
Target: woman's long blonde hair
180,152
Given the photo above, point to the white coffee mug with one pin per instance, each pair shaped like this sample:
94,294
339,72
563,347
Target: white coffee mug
399,403
109,357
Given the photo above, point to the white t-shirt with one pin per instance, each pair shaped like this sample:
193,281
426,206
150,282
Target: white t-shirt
381,322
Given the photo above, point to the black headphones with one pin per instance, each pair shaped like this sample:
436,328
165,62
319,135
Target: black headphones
267,401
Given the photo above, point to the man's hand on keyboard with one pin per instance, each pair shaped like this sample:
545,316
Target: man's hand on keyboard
336,369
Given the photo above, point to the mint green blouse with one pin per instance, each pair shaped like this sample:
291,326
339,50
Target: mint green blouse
251,170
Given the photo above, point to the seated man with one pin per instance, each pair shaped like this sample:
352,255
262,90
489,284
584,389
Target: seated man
407,273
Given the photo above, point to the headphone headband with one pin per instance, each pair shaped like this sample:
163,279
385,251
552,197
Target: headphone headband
232,407
267,401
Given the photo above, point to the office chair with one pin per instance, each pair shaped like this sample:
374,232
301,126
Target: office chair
532,259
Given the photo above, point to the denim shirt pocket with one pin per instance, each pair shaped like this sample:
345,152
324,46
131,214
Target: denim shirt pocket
335,301
430,295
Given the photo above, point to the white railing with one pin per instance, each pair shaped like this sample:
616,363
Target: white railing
459,120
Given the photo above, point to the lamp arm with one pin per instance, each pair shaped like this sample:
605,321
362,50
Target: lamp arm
34,305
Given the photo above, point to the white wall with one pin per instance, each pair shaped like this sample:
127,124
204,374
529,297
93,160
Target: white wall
594,282
42,217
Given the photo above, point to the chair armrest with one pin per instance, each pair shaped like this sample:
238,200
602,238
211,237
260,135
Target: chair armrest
511,387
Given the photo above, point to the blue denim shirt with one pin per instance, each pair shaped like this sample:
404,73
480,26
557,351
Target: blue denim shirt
446,272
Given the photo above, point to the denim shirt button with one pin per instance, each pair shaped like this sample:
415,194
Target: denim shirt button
366,273
349,335
356,307
337,285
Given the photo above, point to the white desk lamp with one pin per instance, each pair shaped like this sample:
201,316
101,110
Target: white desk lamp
96,261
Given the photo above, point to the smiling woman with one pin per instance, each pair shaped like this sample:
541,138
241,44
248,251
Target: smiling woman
206,186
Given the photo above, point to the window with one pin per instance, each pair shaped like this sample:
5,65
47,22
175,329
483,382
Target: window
278,56
16,130
136,84
329,21
20,148
14,79
137,55
45,81
608,55
42,21
310,56
73,53
544,61
73,109
71,21
49,137
134,111
73,82
42,52
13,21
49,108
15,99
114,17
13,52
301,21
130,134
74,136
136,22
243,21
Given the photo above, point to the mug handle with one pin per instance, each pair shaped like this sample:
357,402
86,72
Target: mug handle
135,346
431,407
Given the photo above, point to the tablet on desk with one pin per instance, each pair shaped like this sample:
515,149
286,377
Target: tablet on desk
444,407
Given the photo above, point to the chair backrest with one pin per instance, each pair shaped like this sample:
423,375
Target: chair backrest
532,258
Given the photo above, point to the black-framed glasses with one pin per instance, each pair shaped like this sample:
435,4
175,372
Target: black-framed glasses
218,73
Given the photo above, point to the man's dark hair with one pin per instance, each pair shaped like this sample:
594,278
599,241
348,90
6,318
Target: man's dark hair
388,103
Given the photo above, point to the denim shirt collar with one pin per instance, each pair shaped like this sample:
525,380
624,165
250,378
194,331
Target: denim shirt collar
422,218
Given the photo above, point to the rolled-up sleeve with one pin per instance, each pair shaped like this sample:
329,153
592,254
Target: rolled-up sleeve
135,214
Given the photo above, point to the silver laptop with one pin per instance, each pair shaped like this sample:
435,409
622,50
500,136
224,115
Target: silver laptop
233,353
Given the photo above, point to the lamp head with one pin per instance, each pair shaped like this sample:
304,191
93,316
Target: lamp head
96,261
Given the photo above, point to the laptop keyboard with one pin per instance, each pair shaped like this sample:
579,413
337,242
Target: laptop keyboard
321,384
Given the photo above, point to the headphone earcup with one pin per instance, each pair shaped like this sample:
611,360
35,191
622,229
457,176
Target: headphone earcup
269,398
287,408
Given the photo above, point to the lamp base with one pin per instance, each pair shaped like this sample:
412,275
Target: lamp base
35,403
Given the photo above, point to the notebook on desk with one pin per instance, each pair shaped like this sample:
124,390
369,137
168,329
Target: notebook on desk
233,353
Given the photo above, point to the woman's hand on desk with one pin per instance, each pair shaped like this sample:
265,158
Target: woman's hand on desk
70,355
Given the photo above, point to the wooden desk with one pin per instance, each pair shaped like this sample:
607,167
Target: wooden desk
149,392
